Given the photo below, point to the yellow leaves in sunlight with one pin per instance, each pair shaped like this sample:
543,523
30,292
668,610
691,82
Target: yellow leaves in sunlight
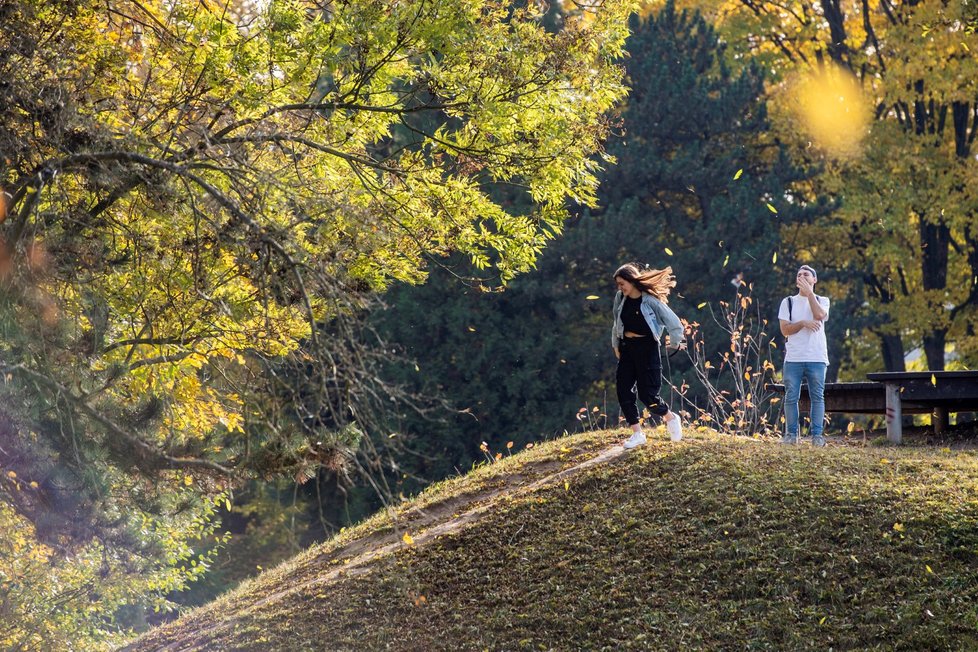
668,251
833,110
739,173
898,527
407,539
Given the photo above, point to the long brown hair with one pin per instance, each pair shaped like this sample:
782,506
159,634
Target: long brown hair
657,282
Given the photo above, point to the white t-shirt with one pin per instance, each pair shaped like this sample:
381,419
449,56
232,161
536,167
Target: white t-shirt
806,345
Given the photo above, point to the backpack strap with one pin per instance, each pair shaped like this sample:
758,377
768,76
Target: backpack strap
790,318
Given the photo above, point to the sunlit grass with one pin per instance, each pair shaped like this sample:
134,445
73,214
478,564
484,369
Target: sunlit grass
716,542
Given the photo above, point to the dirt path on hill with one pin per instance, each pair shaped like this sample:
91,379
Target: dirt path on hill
424,526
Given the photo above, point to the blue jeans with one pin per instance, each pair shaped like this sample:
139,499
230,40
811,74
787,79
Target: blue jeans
814,374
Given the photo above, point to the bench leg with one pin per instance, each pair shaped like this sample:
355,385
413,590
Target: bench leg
940,420
894,414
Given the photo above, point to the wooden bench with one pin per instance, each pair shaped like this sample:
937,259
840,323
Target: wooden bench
897,393
943,392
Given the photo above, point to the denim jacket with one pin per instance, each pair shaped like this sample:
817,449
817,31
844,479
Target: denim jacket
658,315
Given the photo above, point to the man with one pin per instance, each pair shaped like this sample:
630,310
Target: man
806,355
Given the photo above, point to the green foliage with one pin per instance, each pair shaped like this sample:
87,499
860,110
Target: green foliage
716,543
200,194
694,171
903,240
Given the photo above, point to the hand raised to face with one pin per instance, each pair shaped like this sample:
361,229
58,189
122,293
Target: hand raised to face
805,285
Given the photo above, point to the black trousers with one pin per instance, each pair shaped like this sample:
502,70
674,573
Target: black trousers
639,365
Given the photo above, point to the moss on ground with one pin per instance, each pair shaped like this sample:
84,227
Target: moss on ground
714,543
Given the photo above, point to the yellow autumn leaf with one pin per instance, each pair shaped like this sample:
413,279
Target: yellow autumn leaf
407,539
772,209
701,305
822,622
726,260
566,485
11,475
34,485
774,258
898,527
668,251
884,461
739,172
933,380
188,480
592,297
928,569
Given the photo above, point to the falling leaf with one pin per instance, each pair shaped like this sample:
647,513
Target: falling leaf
726,260
566,485
772,209
668,251
471,329
407,539
929,570
12,475
592,297
739,172
933,380
700,307
774,258
227,504
965,46
822,622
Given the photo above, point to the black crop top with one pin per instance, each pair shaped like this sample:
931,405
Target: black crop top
632,317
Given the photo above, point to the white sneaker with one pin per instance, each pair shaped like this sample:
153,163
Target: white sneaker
637,439
675,428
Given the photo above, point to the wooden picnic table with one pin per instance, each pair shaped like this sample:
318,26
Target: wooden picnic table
895,393
943,392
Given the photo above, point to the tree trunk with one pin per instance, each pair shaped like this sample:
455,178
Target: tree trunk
892,348
935,241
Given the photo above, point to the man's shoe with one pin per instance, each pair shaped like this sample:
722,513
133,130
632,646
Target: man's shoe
818,441
637,439
675,428
789,439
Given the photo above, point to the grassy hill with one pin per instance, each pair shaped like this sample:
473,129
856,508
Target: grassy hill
712,543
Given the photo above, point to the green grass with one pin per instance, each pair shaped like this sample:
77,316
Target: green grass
714,543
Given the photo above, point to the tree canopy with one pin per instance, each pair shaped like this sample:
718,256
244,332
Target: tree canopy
194,192
904,239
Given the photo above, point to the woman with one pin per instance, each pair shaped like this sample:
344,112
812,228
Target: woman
640,317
